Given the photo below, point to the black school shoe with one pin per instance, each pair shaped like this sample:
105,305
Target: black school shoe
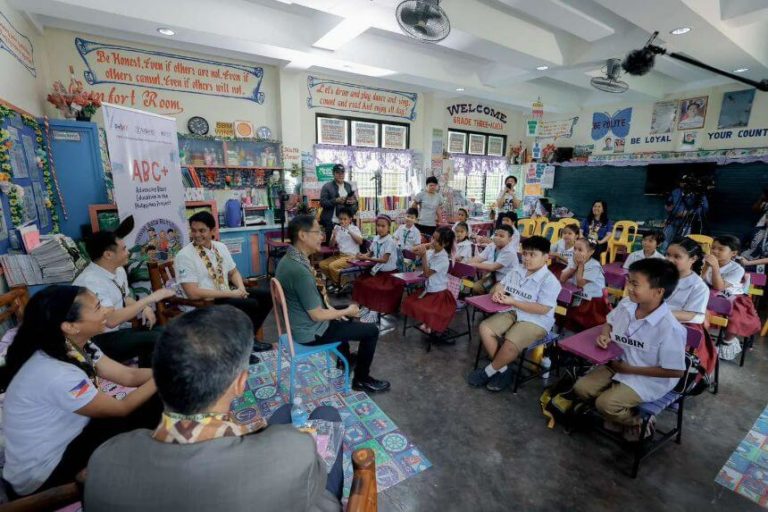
261,347
370,385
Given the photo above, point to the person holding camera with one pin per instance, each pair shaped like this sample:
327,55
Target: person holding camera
334,196
686,207
757,241
508,201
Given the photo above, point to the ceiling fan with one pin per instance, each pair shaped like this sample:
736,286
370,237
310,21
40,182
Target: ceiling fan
423,20
610,82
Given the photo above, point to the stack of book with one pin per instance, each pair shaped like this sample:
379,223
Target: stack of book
56,260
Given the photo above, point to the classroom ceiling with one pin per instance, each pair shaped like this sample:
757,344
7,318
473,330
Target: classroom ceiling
492,52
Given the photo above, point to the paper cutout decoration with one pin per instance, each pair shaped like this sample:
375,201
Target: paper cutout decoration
619,123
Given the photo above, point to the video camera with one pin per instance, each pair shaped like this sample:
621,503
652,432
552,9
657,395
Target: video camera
701,184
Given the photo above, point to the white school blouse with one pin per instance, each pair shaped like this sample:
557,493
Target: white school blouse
438,263
732,273
593,274
380,247
541,287
640,255
691,295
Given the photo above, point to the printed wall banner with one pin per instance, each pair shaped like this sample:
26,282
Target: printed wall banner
365,134
144,152
476,144
562,129
693,113
17,44
393,137
457,142
736,109
663,117
619,123
225,129
346,97
332,131
324,172
476,116
495,146
119,64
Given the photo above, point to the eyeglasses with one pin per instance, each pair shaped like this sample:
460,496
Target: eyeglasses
314,231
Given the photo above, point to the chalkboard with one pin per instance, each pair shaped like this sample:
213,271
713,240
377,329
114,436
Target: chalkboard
737,187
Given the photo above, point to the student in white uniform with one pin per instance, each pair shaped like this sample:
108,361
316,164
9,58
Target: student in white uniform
462,215
379,291
727,277
463,248
347,237
651,242
653,341
688,302
498,258
562,251
54,415
408,235
105,276
435,306
531,291
586,273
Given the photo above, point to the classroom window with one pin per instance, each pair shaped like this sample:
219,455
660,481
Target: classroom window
392,183
493,184
475,187
361,132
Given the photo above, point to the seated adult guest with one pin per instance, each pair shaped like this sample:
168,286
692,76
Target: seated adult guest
106,277
54,415
199,458
312,321
205,270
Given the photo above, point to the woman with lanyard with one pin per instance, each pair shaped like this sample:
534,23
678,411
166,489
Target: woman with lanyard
54,414
597,226
508,200
430,206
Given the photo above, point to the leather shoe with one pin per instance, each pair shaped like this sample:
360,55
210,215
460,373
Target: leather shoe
253,359
370,385
261,347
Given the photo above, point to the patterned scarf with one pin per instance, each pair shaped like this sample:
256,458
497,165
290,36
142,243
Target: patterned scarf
299,257
85,358
216,274
195,428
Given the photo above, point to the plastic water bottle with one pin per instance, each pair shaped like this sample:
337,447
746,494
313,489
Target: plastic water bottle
546,363
299,414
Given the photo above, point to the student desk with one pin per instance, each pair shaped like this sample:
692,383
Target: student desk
585,346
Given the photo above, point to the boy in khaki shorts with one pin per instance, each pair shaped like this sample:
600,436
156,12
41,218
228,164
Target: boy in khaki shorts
531,291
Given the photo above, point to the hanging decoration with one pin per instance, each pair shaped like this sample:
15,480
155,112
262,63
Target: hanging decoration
537,109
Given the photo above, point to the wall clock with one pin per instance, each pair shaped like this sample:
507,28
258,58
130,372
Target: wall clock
197,125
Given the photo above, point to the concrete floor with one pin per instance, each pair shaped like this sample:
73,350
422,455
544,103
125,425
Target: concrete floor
493,451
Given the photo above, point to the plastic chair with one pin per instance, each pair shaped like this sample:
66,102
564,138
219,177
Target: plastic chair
704,241
296,352
551,231
570,221
624,235
539,226
527,227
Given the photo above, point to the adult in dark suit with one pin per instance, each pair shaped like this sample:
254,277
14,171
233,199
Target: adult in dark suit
335,195
199,458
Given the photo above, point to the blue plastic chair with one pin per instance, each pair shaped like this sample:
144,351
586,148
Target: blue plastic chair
296,352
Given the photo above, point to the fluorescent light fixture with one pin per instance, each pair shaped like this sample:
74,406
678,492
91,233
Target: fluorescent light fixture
459,89
166,31
542,68
680,31
741,70
341,34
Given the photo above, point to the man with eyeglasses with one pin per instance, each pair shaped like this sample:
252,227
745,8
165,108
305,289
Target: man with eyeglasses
312,321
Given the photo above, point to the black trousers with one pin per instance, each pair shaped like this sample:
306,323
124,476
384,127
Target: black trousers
352,330
95,433
335,483
257,306
124,344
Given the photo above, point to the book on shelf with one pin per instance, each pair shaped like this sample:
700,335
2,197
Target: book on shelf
56,260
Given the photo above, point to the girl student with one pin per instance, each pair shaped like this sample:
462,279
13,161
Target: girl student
562,251
724,275
463,248
435,306
586,272
379,291
688,301
462,215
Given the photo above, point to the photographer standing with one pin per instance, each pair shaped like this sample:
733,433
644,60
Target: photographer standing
686,206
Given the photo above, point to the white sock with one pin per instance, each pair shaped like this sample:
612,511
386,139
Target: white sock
489,371
731,340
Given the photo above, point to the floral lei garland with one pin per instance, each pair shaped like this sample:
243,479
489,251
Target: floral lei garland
15,192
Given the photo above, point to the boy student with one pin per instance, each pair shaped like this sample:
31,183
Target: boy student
654,349
408,235
348,238
497,259
651,242
531,292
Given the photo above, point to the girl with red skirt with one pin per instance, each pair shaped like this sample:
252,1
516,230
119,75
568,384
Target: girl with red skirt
379,291
435,306
586,272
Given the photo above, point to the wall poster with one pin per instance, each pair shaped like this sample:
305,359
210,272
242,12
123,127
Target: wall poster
332,131
457,142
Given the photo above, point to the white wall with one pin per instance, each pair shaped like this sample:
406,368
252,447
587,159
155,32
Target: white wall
18,85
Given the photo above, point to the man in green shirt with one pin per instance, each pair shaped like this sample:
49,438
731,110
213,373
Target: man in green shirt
311,322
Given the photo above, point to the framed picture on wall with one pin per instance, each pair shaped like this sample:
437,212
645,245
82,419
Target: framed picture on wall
393,136
332,131
693,113
365,134
476,144
457,142
495,146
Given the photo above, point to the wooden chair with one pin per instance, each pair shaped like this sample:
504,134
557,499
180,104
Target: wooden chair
14,303
161,275
362,495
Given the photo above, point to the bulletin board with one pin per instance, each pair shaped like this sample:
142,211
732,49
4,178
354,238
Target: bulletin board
26,180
